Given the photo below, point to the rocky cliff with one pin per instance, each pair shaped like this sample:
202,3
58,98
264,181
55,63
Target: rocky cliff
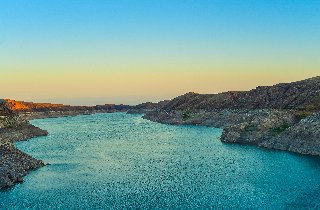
284,116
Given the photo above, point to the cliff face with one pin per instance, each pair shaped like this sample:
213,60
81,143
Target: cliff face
15,164
283,116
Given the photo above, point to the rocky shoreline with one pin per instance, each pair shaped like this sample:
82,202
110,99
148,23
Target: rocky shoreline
14,126
272,129
284,116
15,164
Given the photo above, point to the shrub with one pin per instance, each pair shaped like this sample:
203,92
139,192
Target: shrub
281,128
299,115
186,115
250,128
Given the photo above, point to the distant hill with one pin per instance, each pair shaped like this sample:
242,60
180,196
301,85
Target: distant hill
31,110
29,106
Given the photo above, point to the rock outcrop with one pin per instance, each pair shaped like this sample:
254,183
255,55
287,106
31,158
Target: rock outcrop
283,116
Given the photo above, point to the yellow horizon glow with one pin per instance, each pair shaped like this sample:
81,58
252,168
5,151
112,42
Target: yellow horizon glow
144,83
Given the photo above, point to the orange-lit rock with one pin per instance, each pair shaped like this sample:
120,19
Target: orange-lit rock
25,106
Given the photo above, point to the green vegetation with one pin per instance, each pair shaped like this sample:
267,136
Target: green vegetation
299,115
249,128
186,115
281,128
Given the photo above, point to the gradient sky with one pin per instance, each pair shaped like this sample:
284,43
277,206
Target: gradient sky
131,51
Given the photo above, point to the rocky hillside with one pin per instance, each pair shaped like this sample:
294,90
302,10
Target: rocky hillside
284,116
303,95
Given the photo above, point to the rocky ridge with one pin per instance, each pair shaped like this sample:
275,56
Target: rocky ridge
285,116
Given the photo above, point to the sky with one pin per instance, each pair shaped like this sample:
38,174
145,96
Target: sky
131,51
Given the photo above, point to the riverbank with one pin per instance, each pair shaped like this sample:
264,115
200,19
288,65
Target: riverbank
15,164
14,126
284,116
272,129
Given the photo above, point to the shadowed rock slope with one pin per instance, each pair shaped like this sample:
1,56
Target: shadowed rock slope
285,116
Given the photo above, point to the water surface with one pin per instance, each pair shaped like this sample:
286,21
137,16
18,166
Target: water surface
112,161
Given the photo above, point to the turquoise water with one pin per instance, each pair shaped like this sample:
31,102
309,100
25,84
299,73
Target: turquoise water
119,161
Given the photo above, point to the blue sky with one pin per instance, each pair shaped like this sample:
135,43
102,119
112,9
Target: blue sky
189,41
